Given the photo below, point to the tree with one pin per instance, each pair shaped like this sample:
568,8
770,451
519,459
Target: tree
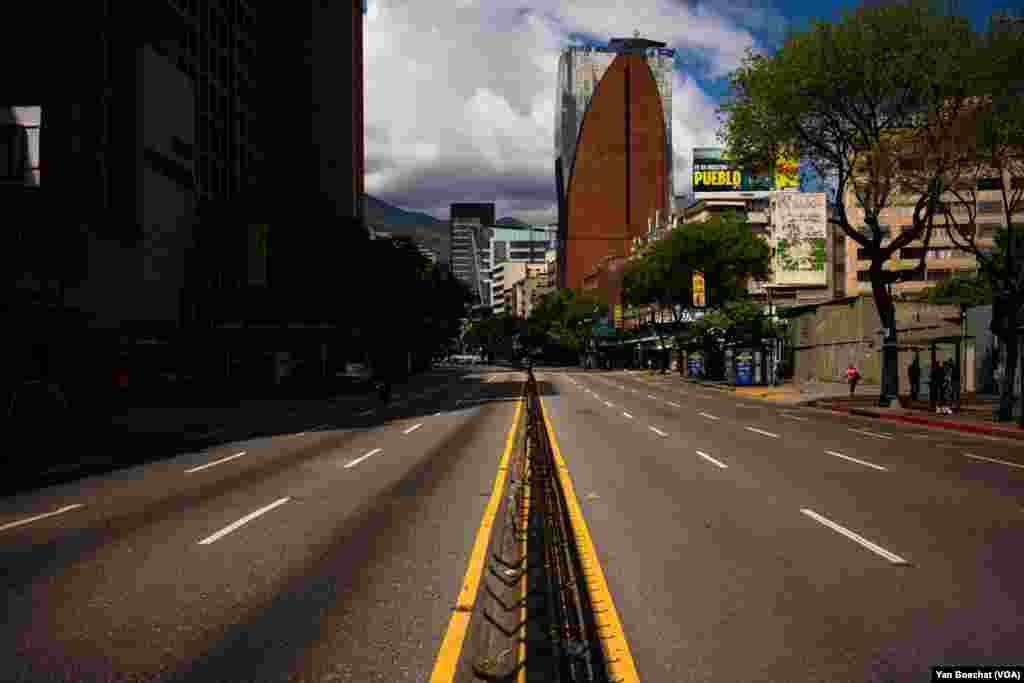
565,316
994,160
723,249
967,291
872,102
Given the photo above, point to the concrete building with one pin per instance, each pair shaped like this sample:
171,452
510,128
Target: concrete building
506,276
472,227
826,338
164,168
523,245
613,143
942,260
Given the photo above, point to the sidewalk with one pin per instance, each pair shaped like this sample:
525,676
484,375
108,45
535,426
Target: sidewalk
975,418
835,396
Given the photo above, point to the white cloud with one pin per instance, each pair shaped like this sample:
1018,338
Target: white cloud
694,124
460,96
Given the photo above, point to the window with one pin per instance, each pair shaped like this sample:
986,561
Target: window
989,184
914,276
862,255
942,252
863,276
990,207
911,252
19,145
936,275
885,229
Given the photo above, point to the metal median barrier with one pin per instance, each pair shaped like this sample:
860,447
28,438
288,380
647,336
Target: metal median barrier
536,605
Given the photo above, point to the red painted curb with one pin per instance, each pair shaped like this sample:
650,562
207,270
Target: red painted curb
961,426
1012,433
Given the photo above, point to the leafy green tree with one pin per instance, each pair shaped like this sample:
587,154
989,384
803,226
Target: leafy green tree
564,317
967,290
724,249
872,103
993,159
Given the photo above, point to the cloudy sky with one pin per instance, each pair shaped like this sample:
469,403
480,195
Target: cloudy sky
460,93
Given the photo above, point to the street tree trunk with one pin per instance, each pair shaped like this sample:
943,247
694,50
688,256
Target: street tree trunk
1011,351
889,353
1004,326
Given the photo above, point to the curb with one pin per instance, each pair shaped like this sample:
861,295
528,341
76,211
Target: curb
941,424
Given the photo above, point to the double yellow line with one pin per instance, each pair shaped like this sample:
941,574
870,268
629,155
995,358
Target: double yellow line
616,648
458,625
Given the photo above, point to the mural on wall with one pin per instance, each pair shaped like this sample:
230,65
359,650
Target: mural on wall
798,233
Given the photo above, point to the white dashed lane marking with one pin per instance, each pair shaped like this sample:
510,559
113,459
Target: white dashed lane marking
861,462
867,433
215,462
710,417
1001,462
711,460
892,557
244,520
657,431
66,508
358,460
761,431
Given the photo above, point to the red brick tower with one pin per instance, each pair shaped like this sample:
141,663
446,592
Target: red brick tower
620,169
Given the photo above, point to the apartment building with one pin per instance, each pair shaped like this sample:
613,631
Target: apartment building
506,276
943,259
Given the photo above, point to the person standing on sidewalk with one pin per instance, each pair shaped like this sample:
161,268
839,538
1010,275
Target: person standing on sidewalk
915,378
852,376
935,386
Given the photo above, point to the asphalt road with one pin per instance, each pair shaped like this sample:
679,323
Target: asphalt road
741,541
333,554
744,541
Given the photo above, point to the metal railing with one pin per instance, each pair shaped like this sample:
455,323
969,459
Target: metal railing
536,601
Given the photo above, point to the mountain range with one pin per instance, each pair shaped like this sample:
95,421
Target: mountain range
422,227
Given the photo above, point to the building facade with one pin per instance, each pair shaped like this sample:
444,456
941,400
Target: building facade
164,168
506,276
522,245
942,259
471,231
613,143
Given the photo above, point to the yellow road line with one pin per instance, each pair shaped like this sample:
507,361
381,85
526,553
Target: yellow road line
621,666
454,637
523,588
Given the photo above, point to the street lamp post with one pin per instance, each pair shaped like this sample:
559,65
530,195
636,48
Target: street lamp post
884,400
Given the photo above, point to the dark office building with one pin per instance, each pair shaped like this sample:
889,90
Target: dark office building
472,226
171,197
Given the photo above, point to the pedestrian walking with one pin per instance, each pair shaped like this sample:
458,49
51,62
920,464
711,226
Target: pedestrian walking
852,376
915,378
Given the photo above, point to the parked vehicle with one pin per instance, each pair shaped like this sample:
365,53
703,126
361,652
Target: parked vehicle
356,375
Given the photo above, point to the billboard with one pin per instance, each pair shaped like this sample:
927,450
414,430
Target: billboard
798,234
698,290
787,172
713,172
